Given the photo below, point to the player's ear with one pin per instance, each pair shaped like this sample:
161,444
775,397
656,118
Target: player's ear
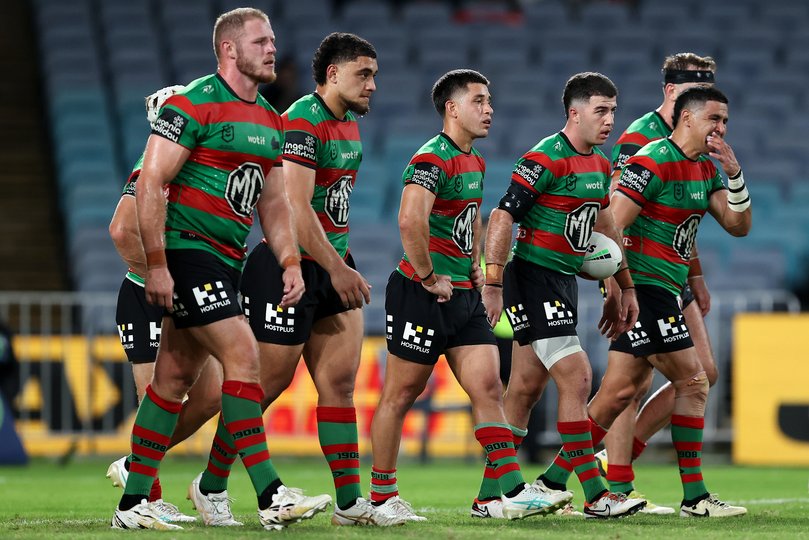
331,73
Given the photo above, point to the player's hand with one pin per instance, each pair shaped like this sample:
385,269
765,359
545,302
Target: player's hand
478,279
351,286
629,311
701,294
293,286
442,288
493,302
723,153
611,314
159,287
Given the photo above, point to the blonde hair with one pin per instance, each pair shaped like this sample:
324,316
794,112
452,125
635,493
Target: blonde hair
688,60
229,25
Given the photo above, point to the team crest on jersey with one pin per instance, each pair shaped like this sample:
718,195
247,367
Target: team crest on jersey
333,150
684,236
337,204
457,183
556,313
570,182
579,225
244,187
672,328
228,133
679,191
462,233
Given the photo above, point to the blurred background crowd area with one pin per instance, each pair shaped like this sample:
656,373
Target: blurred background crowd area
91,62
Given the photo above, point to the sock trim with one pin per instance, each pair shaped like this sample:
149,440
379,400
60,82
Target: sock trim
243,390
168,406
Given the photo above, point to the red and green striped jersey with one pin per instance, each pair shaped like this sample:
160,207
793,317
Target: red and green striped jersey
129,191
641,132
456,179
673,192
234,144
315,138
570,189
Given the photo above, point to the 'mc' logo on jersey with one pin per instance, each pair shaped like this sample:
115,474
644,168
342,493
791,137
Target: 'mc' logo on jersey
684,236
579,225
462,228
336,204
244,187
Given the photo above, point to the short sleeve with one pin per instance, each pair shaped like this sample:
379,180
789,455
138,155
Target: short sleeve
639,183
177,126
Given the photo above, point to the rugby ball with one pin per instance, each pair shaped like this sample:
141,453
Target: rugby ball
602,258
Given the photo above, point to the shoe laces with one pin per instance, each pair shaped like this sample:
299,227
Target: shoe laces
221,504
166,508
617,497
402,506
712,499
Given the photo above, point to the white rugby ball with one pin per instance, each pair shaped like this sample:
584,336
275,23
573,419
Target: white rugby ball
602,258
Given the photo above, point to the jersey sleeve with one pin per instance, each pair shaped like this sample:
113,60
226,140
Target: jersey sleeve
530,173
301,143
129,187
178,122
427,171
638,181
715,183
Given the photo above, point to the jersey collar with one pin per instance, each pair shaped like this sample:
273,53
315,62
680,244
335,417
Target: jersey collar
449,139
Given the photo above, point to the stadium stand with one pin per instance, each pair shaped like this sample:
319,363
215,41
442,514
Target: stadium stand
100,58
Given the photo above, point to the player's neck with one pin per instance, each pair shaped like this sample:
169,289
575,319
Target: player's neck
685,142
578,143
332,100
244,87
461,137
666,112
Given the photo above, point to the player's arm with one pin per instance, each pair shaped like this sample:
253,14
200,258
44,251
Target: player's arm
161,164
277,224
620,311
731,207
414,228
697,282
349,284
498,242
126,235
477,273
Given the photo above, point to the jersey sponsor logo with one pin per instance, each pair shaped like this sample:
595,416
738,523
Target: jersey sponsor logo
557,314
595,185
301,145
127,335
620,162
353,154
337,202
228,133
530,171
258,139
154,334
279,319
170,124
698,196
636,177
637,335
517,317
426,175
211,296
177,308
130,188
244,187
462,230
570,182
685,235
579,226
389,327
672,328
416,337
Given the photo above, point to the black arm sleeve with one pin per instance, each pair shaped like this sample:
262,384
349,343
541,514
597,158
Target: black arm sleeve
517,201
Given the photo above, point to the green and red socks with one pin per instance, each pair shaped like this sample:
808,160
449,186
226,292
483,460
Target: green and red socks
337,432
686,432
558,472
151,435
498,442
489,486
577,444
241,414
383,485
621,477
220,461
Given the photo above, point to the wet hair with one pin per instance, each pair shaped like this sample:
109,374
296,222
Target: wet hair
695,98
585,85
450,83
336,48
229,25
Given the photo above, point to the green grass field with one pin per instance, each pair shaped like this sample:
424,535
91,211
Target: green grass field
46,500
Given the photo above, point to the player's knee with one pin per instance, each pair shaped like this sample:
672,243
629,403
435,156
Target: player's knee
694,388
712,373
402,398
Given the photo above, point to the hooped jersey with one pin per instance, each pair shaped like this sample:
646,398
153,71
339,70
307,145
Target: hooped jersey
673,192
129,191
570,189
649,127
234,144
316,139
456,179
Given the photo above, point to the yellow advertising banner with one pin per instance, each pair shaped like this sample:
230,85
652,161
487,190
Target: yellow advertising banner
770,390
78,396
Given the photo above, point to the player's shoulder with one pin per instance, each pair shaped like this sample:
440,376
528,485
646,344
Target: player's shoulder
308,108
202,90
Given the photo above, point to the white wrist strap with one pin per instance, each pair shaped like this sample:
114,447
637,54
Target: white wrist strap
738,196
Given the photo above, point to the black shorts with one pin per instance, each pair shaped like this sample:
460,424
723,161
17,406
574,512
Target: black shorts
262,289
205,288
540,303
138,323
687,296
660,328
419,329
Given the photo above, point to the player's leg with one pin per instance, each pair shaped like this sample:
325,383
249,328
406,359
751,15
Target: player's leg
332,356
203,403
656,412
